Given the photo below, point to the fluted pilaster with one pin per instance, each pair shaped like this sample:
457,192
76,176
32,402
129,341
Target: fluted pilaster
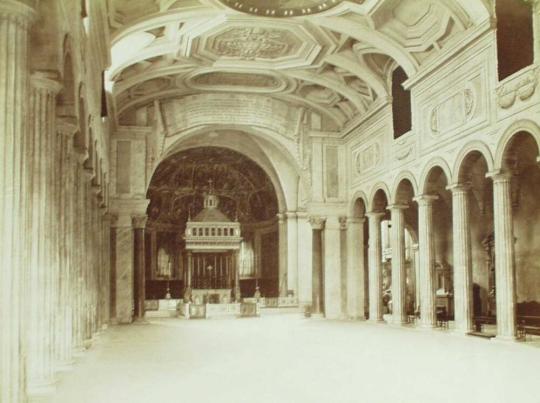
355,267
317,225
399,274
375,266
139,223
292,252
463,302
426,252
332,268
283,260
305,260
505,287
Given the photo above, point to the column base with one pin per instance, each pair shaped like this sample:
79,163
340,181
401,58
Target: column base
505,339
65,366
378,320
87,343
78,352
427,326
140,321
37,391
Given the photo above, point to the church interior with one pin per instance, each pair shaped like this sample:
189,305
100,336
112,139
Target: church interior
269,200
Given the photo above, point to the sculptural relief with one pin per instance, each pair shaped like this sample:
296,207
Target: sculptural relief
368,158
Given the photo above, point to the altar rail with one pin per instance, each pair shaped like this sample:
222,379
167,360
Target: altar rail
280,302
207,311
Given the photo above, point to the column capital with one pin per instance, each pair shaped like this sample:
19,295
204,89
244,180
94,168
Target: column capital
302,215
425,199
66,126
397,206
291,215
18,11
459,187
46,80
375,215
356,220
139,221
317,222
499,176
343,222
120,220
281,217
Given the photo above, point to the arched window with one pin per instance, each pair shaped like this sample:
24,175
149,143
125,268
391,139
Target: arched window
515,38
401,103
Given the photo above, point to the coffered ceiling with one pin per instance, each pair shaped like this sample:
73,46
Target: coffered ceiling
331,57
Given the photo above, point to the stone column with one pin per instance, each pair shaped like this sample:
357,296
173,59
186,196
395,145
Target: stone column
65,355
187,292
375,267
399,273
124,268
139,223
105,258
463,281
416,275
317,225
42,266
292,252
505,287
426,251
237,293
305,261
332,268
282,234
355,268
153,253
15,20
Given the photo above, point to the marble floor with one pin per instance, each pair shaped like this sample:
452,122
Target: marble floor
290,359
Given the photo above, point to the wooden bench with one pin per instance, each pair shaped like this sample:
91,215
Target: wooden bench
528,325
528,319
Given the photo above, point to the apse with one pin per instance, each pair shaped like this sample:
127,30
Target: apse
177,193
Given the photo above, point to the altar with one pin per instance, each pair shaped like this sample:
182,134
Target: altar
212,245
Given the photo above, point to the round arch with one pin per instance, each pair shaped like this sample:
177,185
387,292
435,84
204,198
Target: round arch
378,186
436,162
520,126
404,175
358,195
278,168
477,146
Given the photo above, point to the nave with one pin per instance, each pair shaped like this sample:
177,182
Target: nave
285,358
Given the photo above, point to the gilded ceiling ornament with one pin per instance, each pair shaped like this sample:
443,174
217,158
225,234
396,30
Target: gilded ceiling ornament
283,8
